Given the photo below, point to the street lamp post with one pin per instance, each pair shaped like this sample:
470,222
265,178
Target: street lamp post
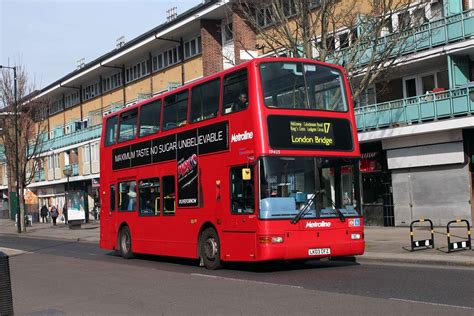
17,175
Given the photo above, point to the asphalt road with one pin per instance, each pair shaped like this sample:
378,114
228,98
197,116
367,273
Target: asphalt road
52,277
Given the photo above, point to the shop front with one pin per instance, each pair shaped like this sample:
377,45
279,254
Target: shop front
377,199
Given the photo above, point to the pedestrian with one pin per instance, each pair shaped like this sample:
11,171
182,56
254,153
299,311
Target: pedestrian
65,212
44,213
54,214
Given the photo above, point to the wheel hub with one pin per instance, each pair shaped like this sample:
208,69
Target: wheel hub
211,248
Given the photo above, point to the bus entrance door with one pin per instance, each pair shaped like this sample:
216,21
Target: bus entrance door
108,206
239,237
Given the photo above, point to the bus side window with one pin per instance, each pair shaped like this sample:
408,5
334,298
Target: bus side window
112,197
235,96
111,131
205,101
175,110
242,192
127,196
169,196
128,125
149,197
150,118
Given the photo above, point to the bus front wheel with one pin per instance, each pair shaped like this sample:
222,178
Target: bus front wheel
125,243
210,249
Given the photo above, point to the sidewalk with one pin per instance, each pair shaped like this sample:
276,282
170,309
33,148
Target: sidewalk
383,244
392,245
88,232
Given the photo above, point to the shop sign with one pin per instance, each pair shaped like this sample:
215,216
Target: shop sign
95,182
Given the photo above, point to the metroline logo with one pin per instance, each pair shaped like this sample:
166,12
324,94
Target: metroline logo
317,224
241,136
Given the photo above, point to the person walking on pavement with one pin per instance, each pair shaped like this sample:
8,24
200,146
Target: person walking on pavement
44,213
65,212
54,214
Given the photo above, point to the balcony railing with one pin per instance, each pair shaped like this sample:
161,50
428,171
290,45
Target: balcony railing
428,107
40,175
430,34
71,139
74,168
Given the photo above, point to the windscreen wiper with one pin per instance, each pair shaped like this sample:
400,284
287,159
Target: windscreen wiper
342,218
306,207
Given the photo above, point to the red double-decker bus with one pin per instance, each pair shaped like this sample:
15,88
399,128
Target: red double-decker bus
258,162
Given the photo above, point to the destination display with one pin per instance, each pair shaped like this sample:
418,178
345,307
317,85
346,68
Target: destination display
314,133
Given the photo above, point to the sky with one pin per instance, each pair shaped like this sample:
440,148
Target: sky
48,37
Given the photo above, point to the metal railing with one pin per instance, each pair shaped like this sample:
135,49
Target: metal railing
440,31
71,139
74,168
428,107
40,176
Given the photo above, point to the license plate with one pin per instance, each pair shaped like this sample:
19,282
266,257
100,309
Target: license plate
319,251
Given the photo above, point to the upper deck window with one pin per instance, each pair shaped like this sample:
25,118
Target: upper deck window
128,125
293,85
175,110
111,131
235,92
205,101
150,118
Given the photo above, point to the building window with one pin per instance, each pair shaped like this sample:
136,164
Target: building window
51,162
404,21
192,47
127,196
227,32
56,106
150,118
150,199
175,110
137,71
205,101
56,161
86,154
128,125
95,152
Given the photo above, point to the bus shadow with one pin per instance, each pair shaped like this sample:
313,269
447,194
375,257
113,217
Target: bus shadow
255,267
291,265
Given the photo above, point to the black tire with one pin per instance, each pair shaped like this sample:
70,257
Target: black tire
125,243
210,249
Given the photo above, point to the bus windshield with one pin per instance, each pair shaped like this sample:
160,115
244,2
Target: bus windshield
324,186
296,85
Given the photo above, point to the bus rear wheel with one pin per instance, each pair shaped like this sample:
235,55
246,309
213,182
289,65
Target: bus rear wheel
125,243
209,247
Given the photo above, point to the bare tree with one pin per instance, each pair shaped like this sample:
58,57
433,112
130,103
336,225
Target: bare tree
29,132
355,34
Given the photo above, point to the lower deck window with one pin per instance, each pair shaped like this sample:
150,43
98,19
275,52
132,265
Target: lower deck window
127,196
169,196
150,199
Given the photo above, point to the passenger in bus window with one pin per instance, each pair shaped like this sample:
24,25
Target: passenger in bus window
241,103
124,198
132,197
